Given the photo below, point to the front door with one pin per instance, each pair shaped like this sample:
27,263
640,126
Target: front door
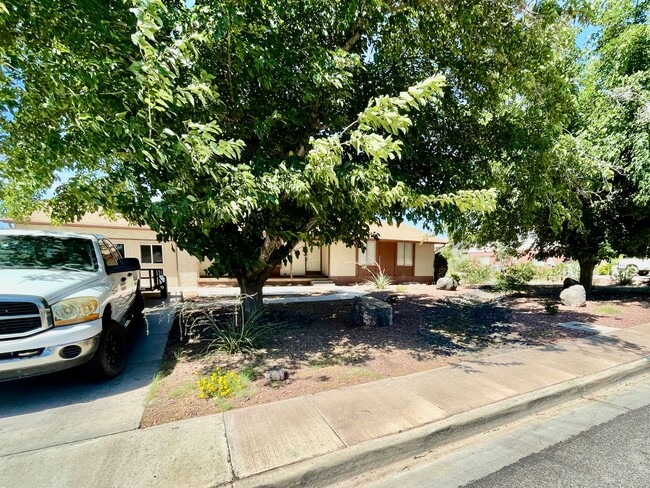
312,261
387,254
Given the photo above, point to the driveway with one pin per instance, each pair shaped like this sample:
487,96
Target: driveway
55,409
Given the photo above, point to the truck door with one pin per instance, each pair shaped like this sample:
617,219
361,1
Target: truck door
119,282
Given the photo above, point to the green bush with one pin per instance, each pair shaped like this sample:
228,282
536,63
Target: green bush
604,268
515,277
624,277
471,270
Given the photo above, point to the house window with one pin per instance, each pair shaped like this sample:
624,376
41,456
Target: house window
120,248
369,257
404,254
151,254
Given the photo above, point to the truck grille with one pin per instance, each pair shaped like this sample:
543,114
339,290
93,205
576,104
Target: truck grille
19,318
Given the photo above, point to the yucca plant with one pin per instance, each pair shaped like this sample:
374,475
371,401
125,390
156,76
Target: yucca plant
380,279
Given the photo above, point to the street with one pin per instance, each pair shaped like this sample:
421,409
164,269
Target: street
615,454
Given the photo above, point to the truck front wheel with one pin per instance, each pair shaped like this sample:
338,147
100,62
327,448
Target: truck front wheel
110,358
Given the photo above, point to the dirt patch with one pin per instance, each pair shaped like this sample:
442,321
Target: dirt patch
431,329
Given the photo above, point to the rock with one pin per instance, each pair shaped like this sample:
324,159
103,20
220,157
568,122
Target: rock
278,374
574,296
447,284
370,312
570,282
393,298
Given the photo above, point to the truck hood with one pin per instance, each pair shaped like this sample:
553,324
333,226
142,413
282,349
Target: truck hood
50,284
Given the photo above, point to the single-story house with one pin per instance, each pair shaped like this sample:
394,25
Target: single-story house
404,253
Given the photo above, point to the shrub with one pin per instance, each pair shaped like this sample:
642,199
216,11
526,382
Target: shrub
380,280
515,277
401,288
604,268
472,270
624,277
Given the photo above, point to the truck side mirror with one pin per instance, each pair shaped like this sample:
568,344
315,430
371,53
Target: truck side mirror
124,265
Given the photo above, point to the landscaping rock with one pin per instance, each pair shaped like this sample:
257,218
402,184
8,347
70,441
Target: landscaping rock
447,284
568,282
279,374
370,312
574,296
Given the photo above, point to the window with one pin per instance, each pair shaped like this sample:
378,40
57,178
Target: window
151,254
369,257
404,254
120,248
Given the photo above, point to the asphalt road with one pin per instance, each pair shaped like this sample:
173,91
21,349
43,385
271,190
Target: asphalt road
614,454
50,410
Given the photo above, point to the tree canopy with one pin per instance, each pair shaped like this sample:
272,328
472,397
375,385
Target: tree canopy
598,166
238,129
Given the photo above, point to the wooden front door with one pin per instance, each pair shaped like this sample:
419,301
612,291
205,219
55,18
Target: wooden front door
386,256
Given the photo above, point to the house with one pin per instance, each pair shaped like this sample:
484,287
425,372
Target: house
404,253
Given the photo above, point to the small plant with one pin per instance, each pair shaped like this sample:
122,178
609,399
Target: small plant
624,277
551,308
380,280
455,277
401,288
219,384
515,277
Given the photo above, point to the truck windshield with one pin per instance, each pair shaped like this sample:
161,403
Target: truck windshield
44,252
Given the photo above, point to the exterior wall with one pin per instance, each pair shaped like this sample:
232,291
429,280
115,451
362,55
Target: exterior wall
342,261
424,255
295,268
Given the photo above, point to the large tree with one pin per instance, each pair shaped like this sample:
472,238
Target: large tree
238,129
597,168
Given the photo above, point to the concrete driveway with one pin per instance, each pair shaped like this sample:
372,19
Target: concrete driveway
64,407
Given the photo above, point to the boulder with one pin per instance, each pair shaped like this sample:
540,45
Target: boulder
570,282
370,312
447,284
574,296
279,374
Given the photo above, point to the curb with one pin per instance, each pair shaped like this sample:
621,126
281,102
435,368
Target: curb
352,461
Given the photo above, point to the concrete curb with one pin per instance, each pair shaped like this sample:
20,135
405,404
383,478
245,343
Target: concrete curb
349,462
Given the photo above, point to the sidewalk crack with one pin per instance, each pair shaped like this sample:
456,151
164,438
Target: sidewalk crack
326,422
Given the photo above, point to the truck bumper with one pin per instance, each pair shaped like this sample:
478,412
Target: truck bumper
53,350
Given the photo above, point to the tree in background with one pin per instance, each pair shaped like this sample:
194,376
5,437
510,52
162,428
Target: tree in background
238,129
596,177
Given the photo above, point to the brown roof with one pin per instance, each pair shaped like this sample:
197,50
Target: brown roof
88,220
404,233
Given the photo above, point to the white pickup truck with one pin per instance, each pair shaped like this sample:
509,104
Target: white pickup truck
634,266
65,299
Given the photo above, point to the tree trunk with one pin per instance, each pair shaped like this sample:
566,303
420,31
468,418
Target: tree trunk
252,296
587,274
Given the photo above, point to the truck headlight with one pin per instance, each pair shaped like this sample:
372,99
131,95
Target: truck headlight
75,311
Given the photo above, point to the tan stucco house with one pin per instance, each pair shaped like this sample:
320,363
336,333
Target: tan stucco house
405,253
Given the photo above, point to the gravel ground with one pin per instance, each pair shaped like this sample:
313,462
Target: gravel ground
432,329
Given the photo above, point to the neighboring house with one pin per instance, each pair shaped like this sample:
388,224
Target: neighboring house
404,253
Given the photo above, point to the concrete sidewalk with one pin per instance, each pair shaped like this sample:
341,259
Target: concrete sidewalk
331,436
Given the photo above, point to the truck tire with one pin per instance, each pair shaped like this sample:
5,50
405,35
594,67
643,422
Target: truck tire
643,272
110,358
